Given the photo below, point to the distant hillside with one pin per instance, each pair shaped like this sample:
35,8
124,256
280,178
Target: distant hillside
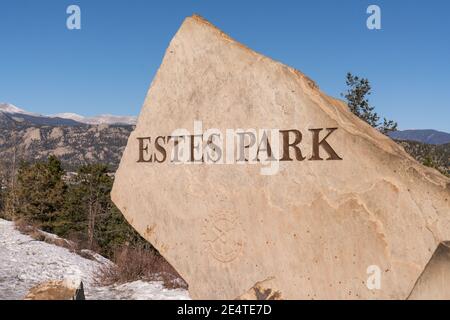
30,139
424,136
436,156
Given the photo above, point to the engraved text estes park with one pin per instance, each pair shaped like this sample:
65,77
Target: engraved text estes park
238,146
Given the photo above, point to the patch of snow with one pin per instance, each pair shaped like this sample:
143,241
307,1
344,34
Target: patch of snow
25,262
137,290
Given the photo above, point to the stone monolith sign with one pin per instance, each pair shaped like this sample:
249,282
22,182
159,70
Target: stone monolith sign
253,183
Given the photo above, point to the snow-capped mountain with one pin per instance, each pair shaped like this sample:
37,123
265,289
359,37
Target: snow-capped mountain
68,115
11,114
64,118
100,119
10,108
34,137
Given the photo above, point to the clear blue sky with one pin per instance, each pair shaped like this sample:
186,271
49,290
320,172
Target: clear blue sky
107,66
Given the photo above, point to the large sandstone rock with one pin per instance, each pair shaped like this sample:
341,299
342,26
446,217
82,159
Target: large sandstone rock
310,231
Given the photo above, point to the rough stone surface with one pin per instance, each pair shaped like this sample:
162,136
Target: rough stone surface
57,290
314,228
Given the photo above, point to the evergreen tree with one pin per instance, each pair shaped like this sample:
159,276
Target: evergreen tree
3,191
91,214
358,102
7,191
79,208
40,192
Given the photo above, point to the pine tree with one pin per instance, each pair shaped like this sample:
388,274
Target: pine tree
78,208
90,212
356,96
40,193
3,191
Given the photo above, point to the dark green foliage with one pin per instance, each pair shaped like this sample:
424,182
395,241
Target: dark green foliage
356,96
77,207
387,126
7,195
89,208
3,191
40,192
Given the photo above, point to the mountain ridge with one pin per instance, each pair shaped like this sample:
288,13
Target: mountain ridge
29,138
428,136
66,118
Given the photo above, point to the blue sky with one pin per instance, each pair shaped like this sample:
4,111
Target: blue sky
108,65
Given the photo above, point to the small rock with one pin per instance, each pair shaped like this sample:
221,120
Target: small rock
57,290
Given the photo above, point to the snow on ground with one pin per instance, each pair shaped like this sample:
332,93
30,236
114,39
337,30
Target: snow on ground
25,262
137,290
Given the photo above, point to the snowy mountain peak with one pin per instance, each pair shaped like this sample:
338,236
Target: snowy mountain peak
110,119
100,119
10,108
68,115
